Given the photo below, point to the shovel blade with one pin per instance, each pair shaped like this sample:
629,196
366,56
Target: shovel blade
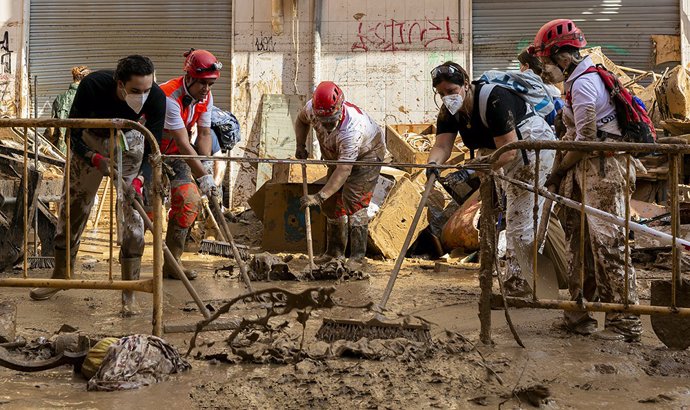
673,331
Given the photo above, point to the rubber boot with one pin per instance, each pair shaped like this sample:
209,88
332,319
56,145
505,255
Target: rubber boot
59,272
174,240
131,268
336,241
358,248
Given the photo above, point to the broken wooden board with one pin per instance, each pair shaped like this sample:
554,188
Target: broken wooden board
666,48
389,227
277,134
12,239
8,322
673,95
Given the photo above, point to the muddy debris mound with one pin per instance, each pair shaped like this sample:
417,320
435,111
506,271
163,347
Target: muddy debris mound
266,266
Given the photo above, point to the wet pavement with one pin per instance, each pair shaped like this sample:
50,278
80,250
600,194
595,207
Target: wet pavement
578,371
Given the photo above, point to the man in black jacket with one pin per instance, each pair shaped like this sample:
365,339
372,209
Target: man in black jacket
129,93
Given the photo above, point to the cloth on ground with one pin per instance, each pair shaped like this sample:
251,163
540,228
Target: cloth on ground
136,361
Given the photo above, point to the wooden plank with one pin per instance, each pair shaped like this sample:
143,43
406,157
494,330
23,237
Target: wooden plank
278,114
666,48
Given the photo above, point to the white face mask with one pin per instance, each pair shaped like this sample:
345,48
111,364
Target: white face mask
453,102
135,101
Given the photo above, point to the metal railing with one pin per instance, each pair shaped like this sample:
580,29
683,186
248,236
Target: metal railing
153,285
488,229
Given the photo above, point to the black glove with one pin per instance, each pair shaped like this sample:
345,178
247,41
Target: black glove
433,171
315,200
554,179
301,153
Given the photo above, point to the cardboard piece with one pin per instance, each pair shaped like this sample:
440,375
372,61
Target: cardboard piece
388,229
292,173
283,220
666,48
402,152
673,94
257,202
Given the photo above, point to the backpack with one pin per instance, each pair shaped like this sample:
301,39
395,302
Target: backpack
226,127
632,117
527,85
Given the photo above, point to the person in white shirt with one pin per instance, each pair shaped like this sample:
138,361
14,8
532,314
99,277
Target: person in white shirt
590,115
345,133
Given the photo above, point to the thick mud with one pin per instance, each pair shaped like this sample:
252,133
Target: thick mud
556,369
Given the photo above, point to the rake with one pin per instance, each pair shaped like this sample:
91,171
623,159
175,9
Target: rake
378,327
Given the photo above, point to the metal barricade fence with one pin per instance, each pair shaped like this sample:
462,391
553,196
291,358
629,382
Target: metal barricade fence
153,285
488,229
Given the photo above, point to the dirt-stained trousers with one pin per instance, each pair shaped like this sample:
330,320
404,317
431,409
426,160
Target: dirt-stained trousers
520,233
604,242
85,180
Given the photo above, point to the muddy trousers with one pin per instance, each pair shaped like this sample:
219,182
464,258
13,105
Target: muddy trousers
84,183
349,204
520,233
604,271
185,203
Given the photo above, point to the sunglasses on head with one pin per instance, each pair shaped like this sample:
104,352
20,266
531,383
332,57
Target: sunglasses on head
447,70
213,67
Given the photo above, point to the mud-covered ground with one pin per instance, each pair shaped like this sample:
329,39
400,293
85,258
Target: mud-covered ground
579,372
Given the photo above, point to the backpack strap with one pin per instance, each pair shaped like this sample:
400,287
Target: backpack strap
484,93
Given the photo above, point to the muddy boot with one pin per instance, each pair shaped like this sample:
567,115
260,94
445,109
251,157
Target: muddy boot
517,287
131,267
59,272
336,240
619,327
584,326
358,248
174,240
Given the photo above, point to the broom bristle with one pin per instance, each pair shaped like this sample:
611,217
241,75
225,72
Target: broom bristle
41,262
215,248
352,330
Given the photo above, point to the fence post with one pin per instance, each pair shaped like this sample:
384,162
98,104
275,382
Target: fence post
487,238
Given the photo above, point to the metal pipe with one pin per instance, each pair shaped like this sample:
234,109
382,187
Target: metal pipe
591,146
323,162
142,285
487,239
13,200
576,306
25,238
627,231
664,238
111,155
583,225
68,188
535,224
35,162
675,228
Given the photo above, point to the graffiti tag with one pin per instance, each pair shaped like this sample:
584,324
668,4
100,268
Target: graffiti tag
265,43
6,57
394,35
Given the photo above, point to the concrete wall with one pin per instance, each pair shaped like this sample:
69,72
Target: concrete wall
379,51
12,55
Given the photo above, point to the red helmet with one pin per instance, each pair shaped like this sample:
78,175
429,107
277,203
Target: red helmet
556,34
202,64
327,100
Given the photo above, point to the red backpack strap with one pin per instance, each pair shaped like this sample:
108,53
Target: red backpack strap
569,94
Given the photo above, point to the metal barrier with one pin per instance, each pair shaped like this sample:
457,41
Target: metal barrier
488,230
153,285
